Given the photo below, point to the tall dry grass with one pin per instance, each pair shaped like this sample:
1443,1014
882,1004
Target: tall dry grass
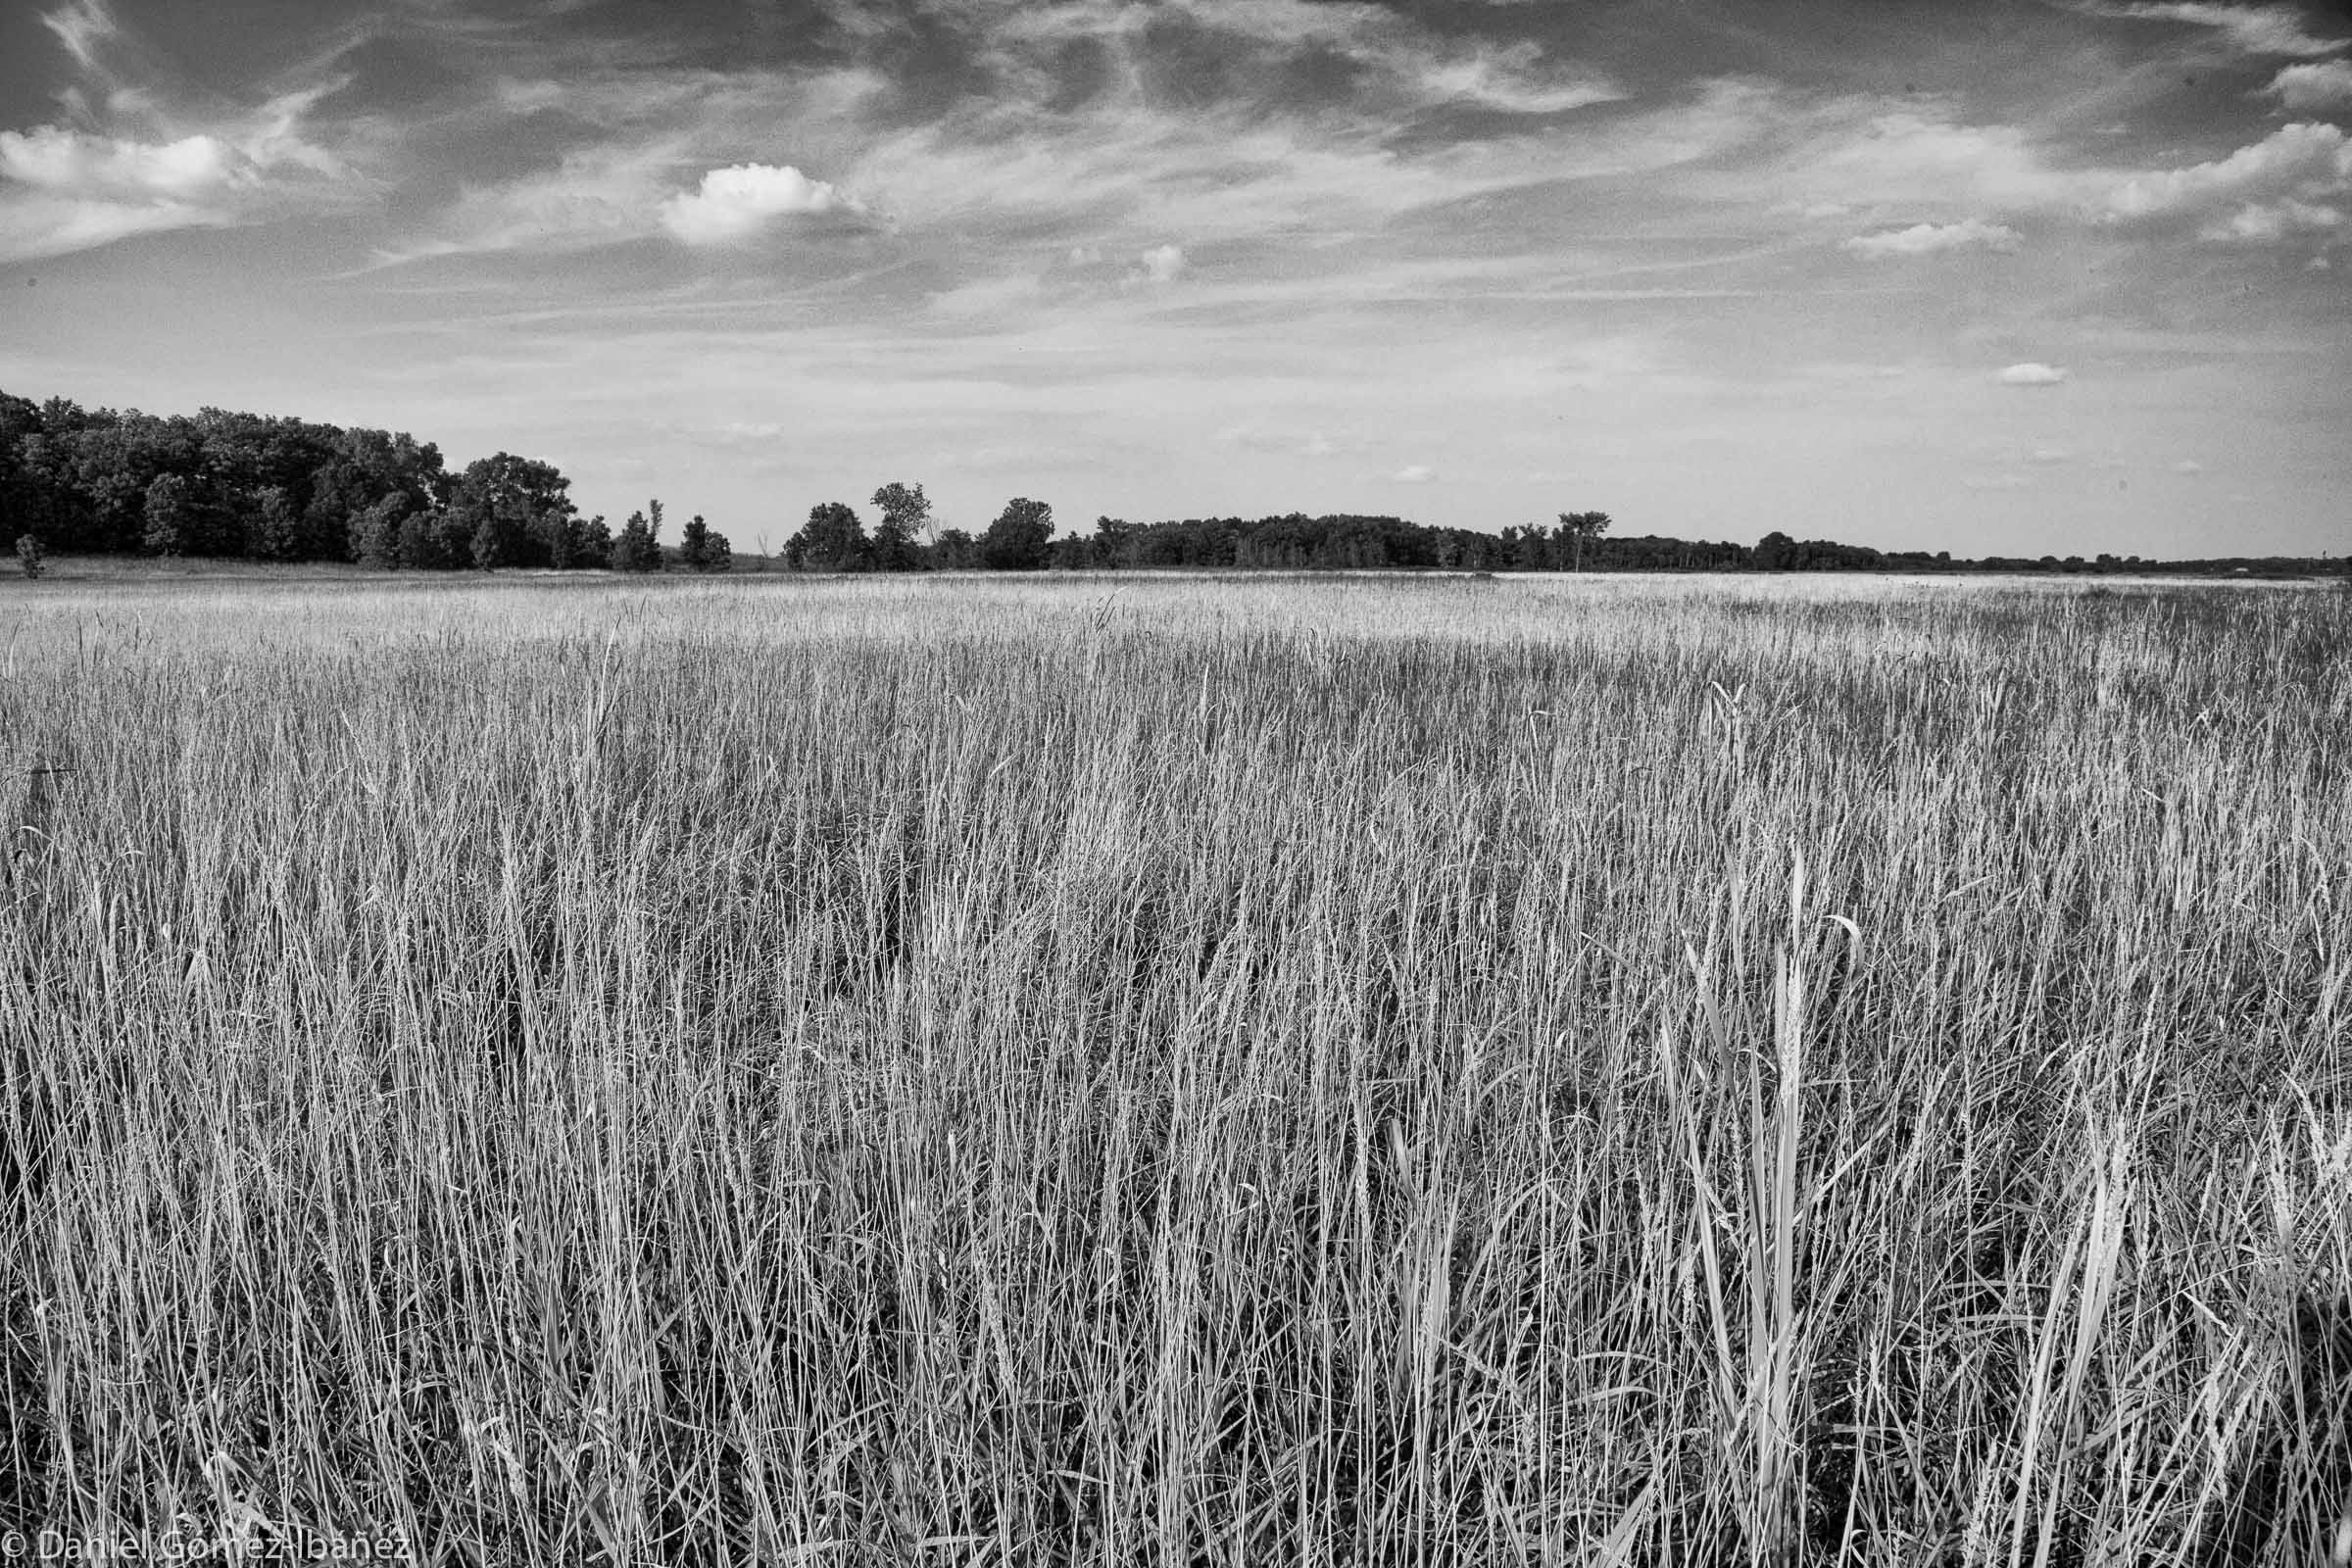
1150,1072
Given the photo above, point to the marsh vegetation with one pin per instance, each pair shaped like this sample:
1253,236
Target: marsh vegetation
1357,1071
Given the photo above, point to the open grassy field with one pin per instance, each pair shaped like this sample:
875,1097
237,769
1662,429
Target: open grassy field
1243,1072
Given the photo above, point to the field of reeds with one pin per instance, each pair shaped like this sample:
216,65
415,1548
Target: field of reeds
1356,1071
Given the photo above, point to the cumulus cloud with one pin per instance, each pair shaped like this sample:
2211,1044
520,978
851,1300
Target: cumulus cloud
743,200
2190,466
2033,373
2255,29
2281,186
2306,154
1928,239
2050,455
2319,87
1162,264
1414,473
2261,222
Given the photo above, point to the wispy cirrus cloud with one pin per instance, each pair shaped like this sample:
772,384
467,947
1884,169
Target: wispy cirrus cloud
141,167
2254,29
2293,183
1386,60
81,27
1866,153
598,195
1219,117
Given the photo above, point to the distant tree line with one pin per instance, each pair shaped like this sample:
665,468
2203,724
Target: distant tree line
92,481
102,481
1021,538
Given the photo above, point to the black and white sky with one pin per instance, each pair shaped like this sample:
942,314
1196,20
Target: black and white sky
2020,276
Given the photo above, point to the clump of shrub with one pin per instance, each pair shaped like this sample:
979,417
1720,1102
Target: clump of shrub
30,556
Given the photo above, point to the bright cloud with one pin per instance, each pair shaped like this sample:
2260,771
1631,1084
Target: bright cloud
739,202
2276,188
64,190
133,166
1162,264
1927,239
2319,87
2293,182
1414,473
2304,154
2033,373
2261,222
71,161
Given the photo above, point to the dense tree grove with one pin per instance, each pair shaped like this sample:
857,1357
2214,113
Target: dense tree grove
98,481
105,481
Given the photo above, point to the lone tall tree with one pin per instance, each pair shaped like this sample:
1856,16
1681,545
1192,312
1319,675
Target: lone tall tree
1580,526
1016,541
905,519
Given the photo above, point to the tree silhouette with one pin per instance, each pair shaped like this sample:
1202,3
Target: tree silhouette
634,549
1581,526
1016,541
831,540
906,520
